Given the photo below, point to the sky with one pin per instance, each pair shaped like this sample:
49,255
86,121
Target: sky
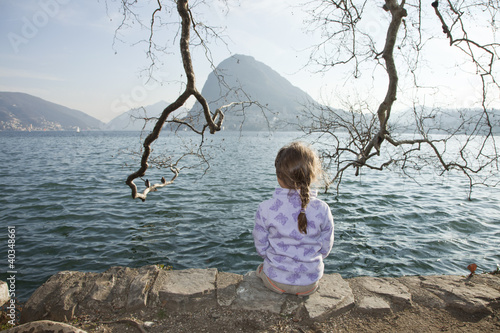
65,51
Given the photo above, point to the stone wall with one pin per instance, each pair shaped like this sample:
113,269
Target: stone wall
124,290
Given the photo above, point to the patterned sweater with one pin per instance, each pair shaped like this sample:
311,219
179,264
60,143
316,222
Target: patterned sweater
291,257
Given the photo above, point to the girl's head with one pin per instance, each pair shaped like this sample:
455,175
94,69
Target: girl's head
297,167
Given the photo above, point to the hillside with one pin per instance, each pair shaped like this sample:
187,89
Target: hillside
21,112
443,121
261,83
133,120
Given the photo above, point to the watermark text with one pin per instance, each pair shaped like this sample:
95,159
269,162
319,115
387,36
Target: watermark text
11,272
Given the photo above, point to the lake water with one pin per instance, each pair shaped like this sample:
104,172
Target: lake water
65,194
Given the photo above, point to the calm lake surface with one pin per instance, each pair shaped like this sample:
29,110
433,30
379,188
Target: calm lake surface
65,194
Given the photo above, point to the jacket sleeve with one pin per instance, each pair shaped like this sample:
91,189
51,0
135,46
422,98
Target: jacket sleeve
260,234
327,235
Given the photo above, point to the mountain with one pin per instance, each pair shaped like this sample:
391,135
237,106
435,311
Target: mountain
459,121
20,111
261,83
133,120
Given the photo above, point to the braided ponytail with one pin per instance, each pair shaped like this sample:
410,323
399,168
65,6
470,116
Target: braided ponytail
304,197
297,166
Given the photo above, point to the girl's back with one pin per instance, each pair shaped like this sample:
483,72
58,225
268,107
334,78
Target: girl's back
293,230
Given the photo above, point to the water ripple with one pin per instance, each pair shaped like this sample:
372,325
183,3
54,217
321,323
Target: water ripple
72,211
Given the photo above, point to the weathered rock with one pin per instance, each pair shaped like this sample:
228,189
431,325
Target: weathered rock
44,326
185,290
138,291
122,290
4,293
421,295
68,294
57,298
376,296
389,287
293,305
118,293
490,280
333,297
102,287
373,305
226,287
462,293
251,294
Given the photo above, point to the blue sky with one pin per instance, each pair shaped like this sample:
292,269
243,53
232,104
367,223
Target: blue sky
64,51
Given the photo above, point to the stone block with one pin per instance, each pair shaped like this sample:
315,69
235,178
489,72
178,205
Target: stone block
491,280
47,302
334,296
397,292
118,295
293,305
227,283
185,290
462,293
124,290
251,294
140,285
102,287
421,295
373,305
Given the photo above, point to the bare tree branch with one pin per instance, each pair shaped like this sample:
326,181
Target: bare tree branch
213,122
210,121
354,138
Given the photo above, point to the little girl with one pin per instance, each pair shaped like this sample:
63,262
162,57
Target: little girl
294,230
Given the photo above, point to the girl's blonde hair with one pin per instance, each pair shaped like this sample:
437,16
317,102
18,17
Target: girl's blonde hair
298,166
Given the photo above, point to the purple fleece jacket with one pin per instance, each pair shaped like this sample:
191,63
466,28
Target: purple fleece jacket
291,257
